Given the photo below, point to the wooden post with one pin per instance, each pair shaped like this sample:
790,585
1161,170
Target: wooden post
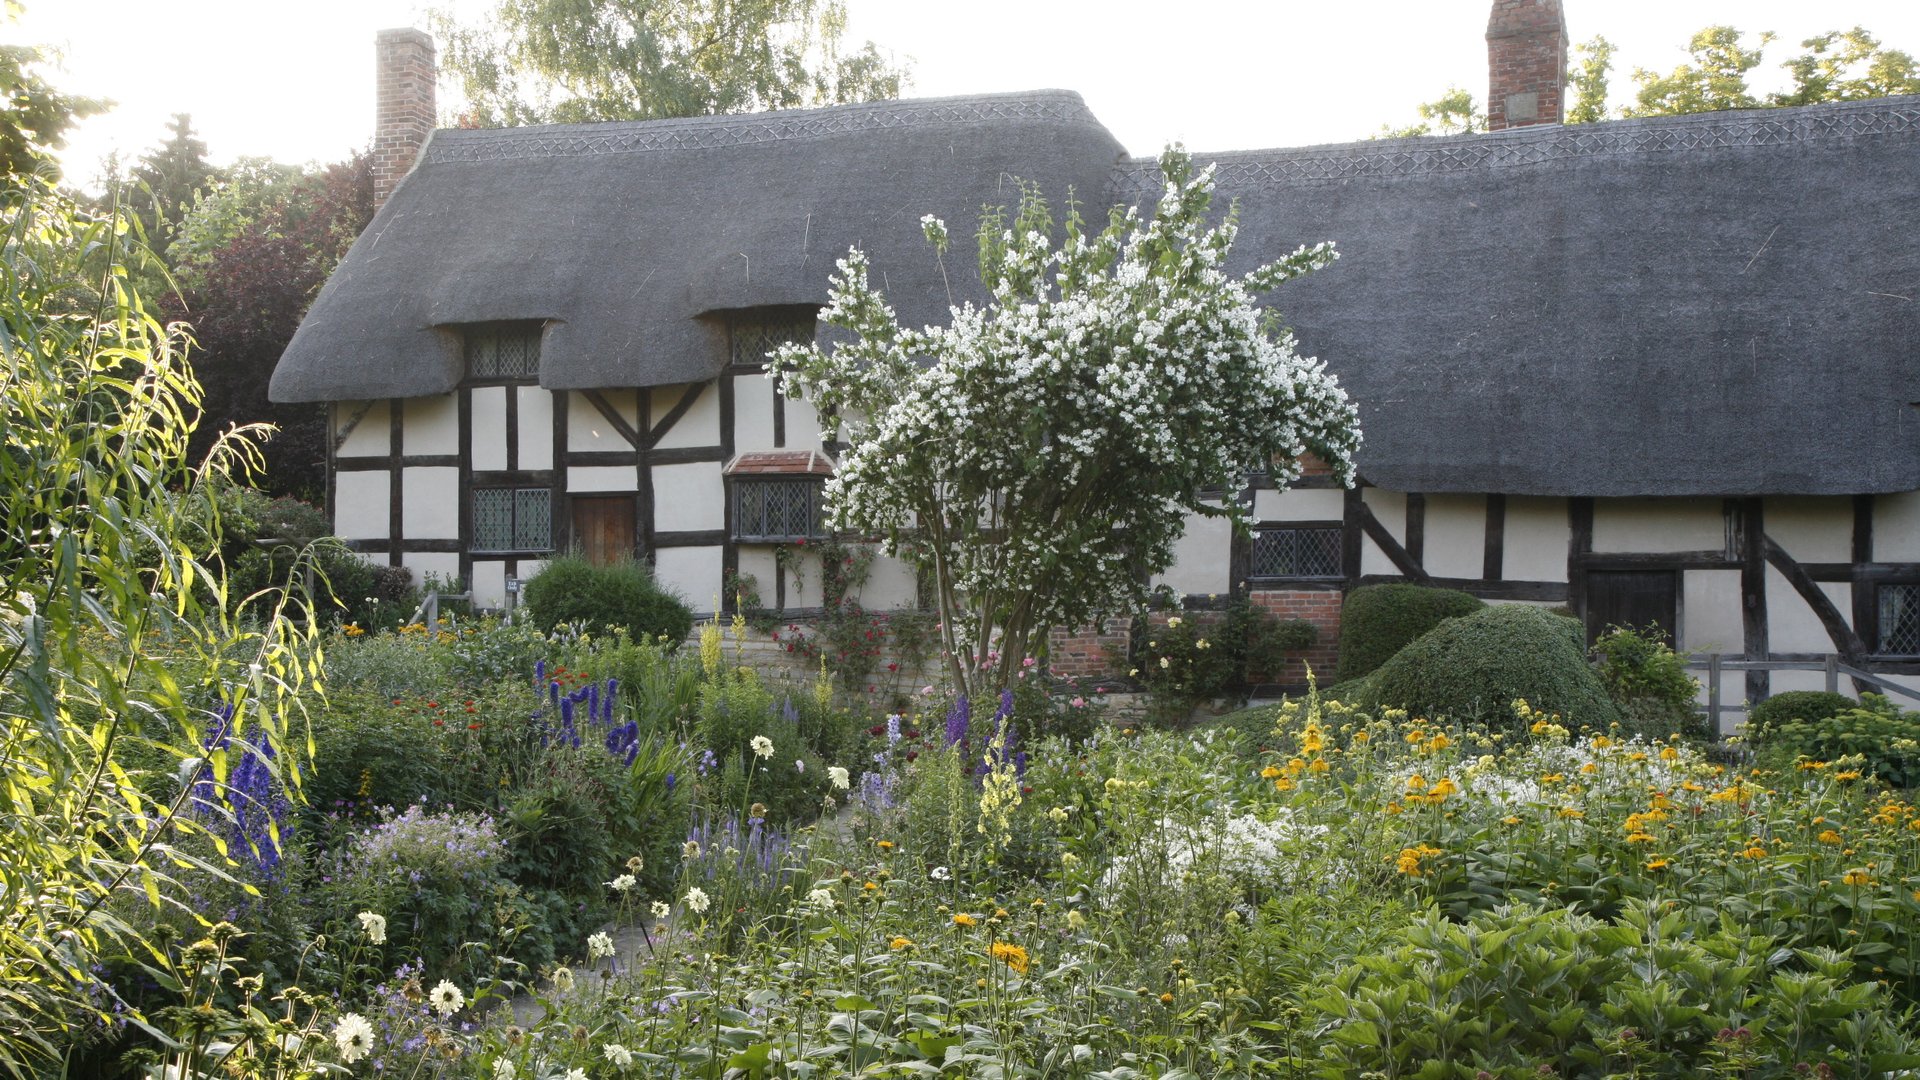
1713,691
1833,673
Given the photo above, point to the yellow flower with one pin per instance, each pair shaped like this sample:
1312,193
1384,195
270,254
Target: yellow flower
1668,753
1602,742
900,943
1361,736
1658,864
1553,778
1439,742
1637,755
1589,769
1754,852
1570,812
1856,878
1283,784
1013,956
1416,782
1640,838
1319,765
1270,772
1510,819
1393,808
1828,836
1850,774
964,919
884,845
1444,788
1076,921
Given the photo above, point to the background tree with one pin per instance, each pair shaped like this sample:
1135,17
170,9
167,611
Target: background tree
34,117
166,182
1847,66
1452,113
1588,81
1716,79
252,253
575,61
1045,461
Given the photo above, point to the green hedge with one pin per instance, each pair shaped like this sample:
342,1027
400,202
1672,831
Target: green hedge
1875,737
1472,668
1810,705
623,596
1378,621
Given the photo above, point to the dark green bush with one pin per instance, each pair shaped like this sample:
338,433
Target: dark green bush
1378,621
623,596
1471,669
1199,655
1883,739
1250,729
1648,683
1810,705
371,752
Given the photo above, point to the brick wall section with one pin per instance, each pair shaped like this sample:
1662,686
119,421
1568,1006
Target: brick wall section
403,104
1090,652
1312,465
1321,607
1526,63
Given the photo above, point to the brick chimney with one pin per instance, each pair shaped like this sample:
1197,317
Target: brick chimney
404,108
1526,63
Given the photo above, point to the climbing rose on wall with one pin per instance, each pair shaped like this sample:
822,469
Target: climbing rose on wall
1040,454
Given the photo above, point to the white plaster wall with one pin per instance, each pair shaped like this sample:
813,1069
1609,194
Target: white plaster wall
443,565
1534,539
891,584
692,572
489,583
699,427
1300,504
371,437
1630,525
1791,624
362,505
536,428
1812,528
530,568
688,497
430,504
1733,691
1896,527
1200,557
582,479
430,425
803,425
752,413
803,579
490,428
1456,536
1710,619
1390,507
1373,560
756,561
587,426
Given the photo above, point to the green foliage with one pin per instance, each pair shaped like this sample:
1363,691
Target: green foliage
369,751
556,61
790,782
1198,655
1644,996
1587,80
1877,738
1809,705
167,181
35,117
1452,113
1847,66
621,597
1471,670
102,581
1717,78
1377,621
1648,683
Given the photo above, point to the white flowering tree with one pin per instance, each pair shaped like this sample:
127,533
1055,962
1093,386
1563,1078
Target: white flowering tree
1041,455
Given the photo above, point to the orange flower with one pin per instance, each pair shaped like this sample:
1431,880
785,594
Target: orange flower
1013,956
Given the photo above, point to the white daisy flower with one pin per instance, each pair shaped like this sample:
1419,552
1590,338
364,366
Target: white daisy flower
353,1036
375,927
446,998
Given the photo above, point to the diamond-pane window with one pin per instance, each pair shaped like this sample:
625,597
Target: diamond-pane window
512,519
1295,553
754,338
503,351
776,509
1900,620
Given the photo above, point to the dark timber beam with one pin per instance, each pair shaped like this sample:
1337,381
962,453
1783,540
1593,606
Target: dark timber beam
1493,563
1845,640
1579,546
659,430
606,409
1753,595
1417,527
1399,556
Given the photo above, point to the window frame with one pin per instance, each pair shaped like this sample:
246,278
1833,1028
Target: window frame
1877,636
816,486
471,335
473,512
765,320
1335,528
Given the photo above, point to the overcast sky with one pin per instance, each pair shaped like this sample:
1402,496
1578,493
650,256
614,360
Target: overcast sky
294,81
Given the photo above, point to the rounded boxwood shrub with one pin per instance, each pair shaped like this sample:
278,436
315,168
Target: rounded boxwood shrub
1809,705
1471,669
1378,621
623,596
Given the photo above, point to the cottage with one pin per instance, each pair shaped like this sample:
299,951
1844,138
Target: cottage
1661,371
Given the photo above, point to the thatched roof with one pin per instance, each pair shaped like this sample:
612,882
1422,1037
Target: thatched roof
1719,304
622,236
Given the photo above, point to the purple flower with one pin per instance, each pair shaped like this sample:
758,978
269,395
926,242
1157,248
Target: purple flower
957,719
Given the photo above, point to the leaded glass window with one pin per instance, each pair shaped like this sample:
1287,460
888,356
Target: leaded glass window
773,510
512,519
1900,620
1296,552
755,337
503,351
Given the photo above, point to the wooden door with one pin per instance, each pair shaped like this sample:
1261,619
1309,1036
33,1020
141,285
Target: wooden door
1635,598
603,527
